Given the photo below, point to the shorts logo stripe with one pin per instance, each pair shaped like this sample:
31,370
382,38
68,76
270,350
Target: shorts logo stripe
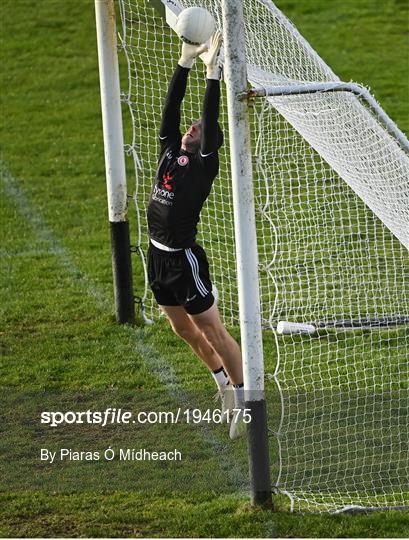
196,262
195,271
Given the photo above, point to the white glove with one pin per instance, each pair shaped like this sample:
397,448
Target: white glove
189,54
211,58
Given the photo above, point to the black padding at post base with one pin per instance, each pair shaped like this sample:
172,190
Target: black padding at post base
122,272
259,460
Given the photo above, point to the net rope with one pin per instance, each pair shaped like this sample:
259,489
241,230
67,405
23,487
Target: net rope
331,190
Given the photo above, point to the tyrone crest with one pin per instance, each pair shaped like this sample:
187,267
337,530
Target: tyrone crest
183,161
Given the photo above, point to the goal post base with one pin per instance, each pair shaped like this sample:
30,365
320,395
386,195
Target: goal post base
258,446
122,272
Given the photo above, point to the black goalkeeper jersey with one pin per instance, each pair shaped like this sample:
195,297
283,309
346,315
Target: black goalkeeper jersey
183,180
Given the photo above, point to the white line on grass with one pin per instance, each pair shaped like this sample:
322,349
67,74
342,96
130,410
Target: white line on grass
25,253
46,236
155,363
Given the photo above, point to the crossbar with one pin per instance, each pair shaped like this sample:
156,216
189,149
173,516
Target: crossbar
313,88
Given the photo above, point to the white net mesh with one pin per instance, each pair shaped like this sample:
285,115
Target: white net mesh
332,201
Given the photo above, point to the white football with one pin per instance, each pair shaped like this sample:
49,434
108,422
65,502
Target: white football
195,25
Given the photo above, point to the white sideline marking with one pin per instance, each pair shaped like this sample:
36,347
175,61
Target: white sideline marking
155,363
46,236
25,253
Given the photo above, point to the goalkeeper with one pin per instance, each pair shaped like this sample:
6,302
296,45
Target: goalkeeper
178,270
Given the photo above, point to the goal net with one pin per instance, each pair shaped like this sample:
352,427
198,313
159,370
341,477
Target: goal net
332,201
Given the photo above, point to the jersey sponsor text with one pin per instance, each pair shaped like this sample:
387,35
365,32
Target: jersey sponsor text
163,196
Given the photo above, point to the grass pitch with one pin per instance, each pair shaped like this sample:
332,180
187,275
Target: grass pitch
59,336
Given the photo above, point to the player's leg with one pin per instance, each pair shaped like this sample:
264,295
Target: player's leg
203,312
212,328
184,327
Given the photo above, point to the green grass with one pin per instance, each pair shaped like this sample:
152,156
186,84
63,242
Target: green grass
58,333
130,515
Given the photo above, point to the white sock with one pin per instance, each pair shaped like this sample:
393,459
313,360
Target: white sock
221,377
239,396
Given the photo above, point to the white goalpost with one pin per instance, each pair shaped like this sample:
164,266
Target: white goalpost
114,162
331,216
235,73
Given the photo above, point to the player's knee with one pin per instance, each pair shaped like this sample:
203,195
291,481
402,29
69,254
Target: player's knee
215,335
184,330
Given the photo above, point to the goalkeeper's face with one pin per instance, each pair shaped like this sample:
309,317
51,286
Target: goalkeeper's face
191,139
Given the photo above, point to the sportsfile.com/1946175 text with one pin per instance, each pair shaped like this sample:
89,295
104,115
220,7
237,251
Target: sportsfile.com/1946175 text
119,416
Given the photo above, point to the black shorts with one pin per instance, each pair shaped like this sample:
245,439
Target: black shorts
180,278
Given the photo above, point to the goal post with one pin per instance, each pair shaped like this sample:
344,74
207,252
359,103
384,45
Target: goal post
114,160
235,74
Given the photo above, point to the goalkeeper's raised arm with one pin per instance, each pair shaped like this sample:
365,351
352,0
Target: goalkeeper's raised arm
212,135
170,125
